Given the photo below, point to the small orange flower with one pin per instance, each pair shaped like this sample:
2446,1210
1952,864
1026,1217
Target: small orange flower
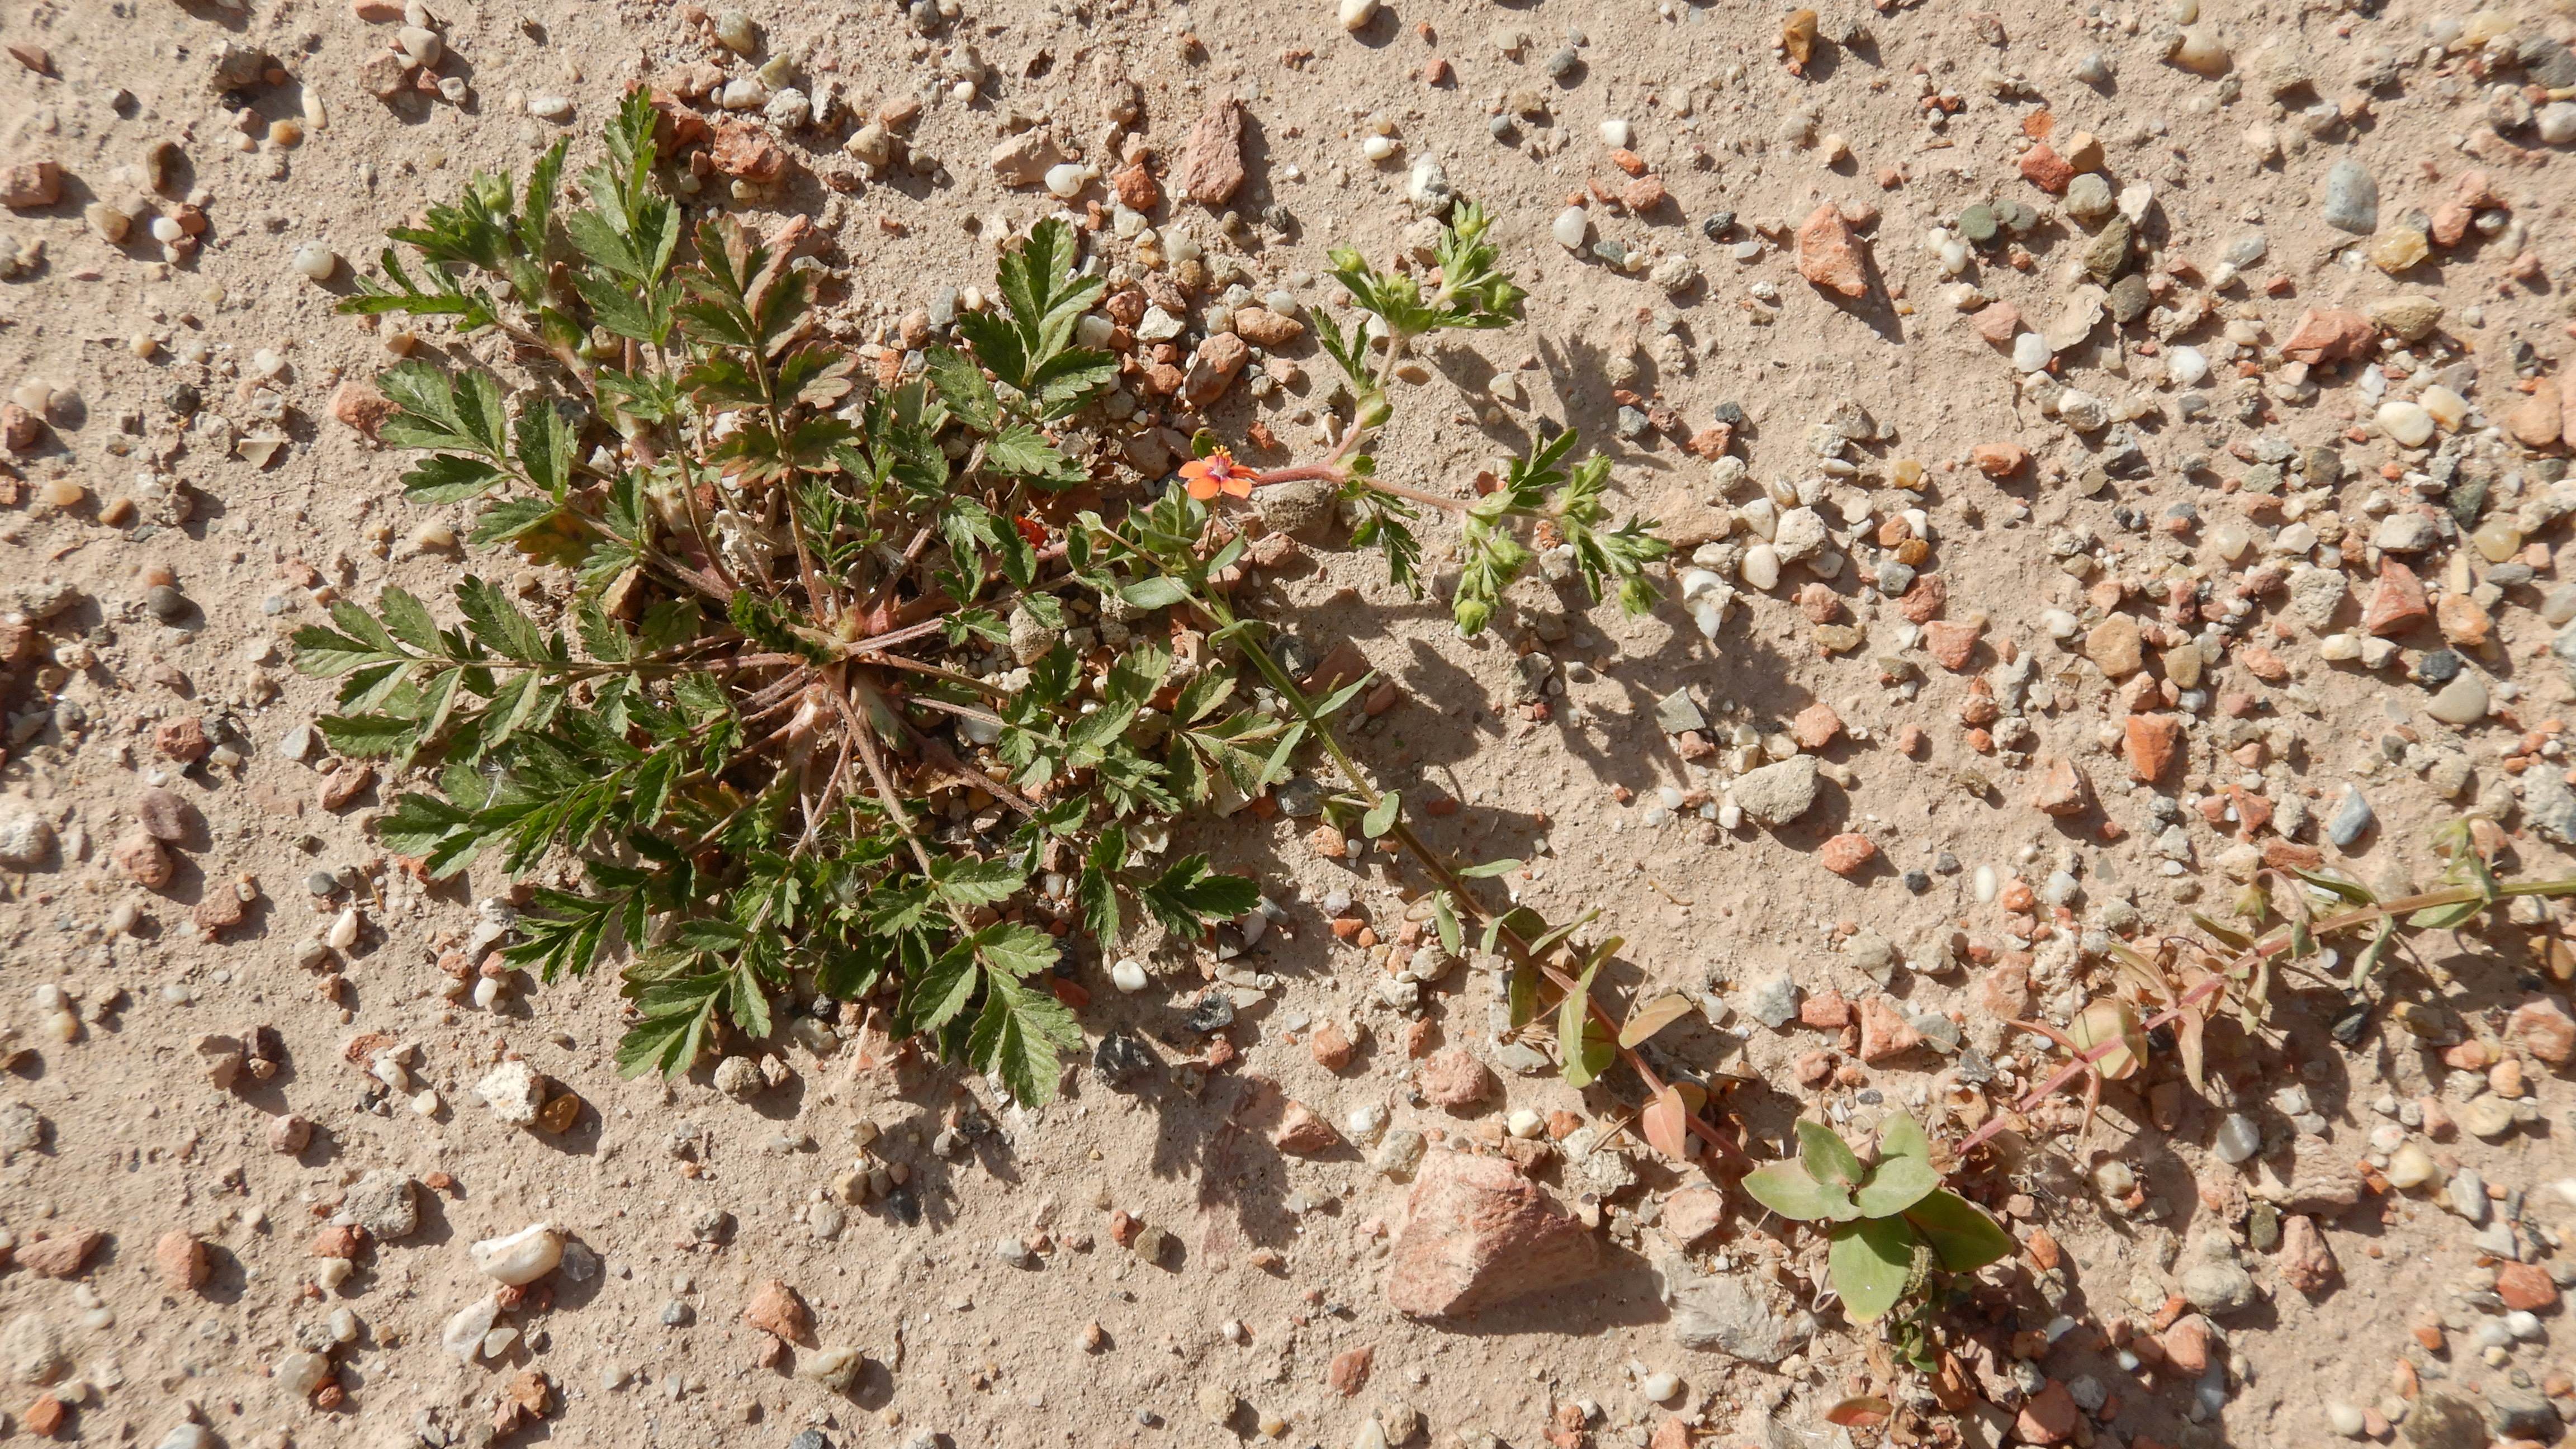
1217,473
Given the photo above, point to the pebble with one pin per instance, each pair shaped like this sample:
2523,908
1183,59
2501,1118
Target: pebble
2351,198
1128,975
2237,1139
316,262
1571,227
2463,701
2409,423
2352,819
2467,1196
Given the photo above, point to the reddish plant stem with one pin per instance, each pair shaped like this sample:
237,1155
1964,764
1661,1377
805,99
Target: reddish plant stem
2271,945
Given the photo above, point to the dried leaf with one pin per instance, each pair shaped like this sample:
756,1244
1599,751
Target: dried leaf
1653,1017
1859,1411
1666,1125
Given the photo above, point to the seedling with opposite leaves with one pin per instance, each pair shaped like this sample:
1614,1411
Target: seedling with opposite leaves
1890,1222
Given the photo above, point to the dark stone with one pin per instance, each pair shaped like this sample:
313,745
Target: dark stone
1213,1011
1121,1057
2520,1413
2438,666
1718,224
810,1439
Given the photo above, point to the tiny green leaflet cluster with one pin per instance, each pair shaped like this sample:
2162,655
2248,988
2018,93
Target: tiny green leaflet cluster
1890,1222
1537,491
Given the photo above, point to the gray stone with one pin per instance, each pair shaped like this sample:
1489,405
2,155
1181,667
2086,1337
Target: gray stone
2549,805
187,1436
2467,1194
2463,701
2351,820
1727,1314
1677,712
2216,1283
2445,1421
2351,198
26,840
1777,794
34,1349
1773,1002
1303,509
514,1092
2237,1138
381,1202
2519,1413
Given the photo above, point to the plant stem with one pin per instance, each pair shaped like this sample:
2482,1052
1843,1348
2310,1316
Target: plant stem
2272,944
1445,873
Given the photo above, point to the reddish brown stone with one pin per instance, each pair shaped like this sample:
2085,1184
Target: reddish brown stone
1643,194
45,1417
358,405
61,1255
1885,1034
1136,188
1847,854
776,1309
2307,1264
182,739
1212,163
1213,367
2397,602
1925,601
2049,1417
746,151
1692,1213
2544,1029
181,1261
1998,323
2151,743
1816,726
338,1240
31,184
2186,1346
2000,460
1302,1132
1455,1079
2328,334
2526,1286
1330,1045
1825,1010
2005,991
1829,255
1477,1233
144,860
2042,167
2063,790
1952,641
1349,1371
1264,328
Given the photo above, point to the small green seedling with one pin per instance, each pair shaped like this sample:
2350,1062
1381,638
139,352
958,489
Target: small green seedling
1890,1222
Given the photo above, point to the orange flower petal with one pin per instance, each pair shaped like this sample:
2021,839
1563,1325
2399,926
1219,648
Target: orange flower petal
1203,488
1239,484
